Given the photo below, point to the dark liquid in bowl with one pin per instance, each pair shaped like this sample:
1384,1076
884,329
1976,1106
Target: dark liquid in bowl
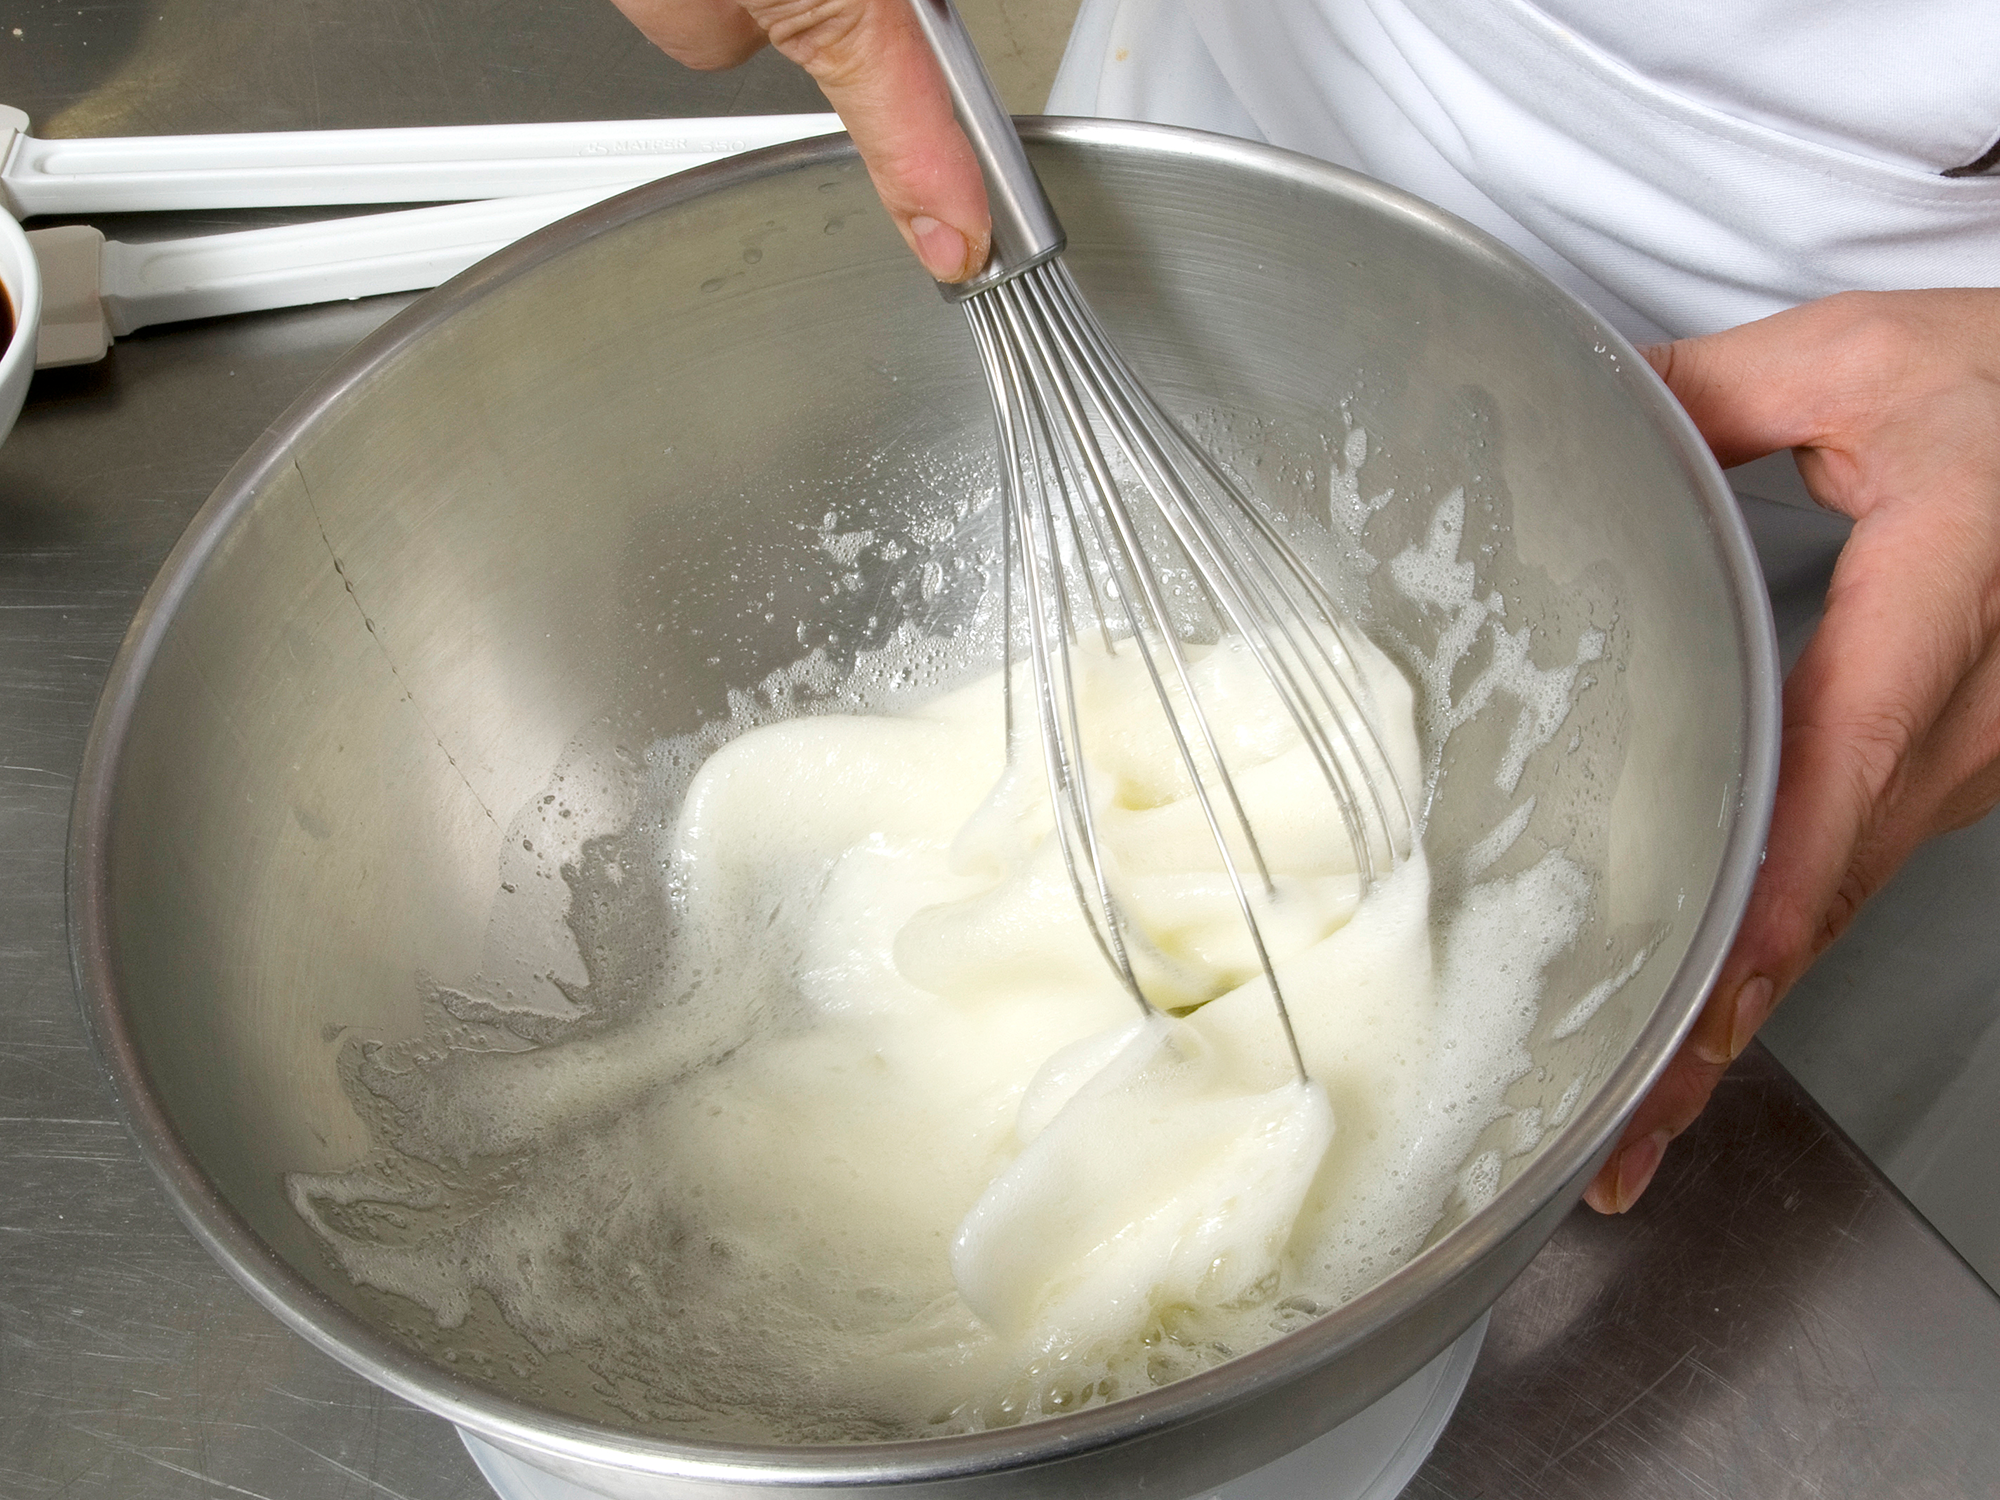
6,319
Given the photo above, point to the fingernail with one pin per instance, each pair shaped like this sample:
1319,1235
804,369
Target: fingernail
1751,1010
942,249
1636,1165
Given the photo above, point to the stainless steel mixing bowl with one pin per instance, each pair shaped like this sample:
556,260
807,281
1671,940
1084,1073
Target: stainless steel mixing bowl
409,660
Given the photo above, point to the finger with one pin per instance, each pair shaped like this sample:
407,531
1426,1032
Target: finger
704,34
1803,378
871,61
1961,764
1892,716
1668,1109
1858,707
1740,388
1904,633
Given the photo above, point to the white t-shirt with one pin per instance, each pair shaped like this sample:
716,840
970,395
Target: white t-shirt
1681,165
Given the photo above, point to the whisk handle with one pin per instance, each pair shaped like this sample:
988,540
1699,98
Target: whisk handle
1026,231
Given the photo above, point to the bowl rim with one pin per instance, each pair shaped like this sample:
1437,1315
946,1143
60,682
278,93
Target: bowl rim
24,297
1561,1169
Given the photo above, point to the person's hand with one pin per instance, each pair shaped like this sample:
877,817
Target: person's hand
1891,403
871,61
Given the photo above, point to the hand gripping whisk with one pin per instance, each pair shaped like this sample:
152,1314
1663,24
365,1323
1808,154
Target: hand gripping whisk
1119,527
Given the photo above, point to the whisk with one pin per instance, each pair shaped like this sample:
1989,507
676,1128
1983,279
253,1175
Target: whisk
1117,524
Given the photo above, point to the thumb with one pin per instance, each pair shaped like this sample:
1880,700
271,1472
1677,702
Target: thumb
700,33
1749,389
871,60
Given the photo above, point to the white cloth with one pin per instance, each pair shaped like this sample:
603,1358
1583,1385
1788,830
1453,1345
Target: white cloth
1682,166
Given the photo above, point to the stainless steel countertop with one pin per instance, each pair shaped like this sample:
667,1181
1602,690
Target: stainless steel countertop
1774,1320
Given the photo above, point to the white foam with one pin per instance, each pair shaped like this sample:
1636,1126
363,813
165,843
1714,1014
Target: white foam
1483,855
1579,1015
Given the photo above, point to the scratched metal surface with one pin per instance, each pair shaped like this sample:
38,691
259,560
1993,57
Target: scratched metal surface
1774,1320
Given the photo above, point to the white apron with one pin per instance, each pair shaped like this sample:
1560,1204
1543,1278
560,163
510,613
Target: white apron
1687,166
1666,206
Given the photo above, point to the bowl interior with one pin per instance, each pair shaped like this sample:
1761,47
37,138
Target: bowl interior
397,701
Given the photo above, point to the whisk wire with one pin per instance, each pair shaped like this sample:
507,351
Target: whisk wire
1031,383
1037,341
1077,514
1297,580
1040,367
1211,543
1063,762
1051,377
1076,330
1138,568
1356,725
1078,334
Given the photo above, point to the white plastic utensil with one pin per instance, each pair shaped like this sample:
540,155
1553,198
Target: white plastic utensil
94,289
431,164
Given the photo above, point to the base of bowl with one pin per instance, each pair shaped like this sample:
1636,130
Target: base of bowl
1370,1456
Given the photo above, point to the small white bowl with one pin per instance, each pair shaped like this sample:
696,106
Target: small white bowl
22,279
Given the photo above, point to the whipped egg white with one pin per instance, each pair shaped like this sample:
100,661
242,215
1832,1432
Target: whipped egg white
896,1154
